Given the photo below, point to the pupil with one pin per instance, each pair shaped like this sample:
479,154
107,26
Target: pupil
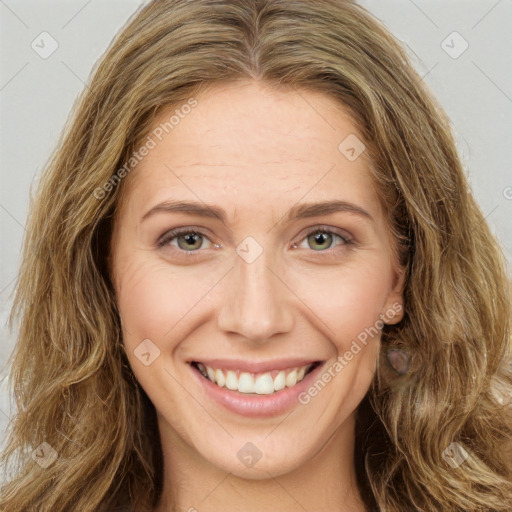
319,236
190,239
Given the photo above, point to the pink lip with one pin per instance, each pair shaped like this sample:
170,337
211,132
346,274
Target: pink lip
255,367
256,405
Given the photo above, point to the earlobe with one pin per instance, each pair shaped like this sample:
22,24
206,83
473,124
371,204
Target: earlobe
394,313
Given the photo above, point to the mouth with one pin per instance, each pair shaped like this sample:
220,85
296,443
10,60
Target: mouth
269,382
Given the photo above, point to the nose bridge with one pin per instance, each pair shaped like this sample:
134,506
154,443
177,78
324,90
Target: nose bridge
255,304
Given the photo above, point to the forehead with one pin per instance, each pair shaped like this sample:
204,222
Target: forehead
247,145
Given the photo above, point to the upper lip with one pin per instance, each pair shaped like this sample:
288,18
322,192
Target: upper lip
255,366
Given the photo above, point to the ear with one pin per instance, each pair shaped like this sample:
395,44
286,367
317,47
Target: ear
393,308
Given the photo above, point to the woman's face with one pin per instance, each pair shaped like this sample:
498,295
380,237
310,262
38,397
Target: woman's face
269,284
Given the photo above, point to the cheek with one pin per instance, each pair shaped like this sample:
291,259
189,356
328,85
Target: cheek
347,299
342,301
153,298
144,296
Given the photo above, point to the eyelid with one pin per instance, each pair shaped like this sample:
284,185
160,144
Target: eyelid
174,233
327,229
185,230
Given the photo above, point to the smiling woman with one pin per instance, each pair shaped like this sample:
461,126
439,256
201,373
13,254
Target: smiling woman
276,304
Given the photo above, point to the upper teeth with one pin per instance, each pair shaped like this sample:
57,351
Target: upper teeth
259,383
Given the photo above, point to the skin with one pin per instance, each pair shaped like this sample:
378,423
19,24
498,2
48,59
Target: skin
255,152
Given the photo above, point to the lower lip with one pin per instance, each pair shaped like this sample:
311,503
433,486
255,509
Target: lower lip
257,406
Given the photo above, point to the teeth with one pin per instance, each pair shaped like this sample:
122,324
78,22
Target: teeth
220,380
261,383
291,379
280,381
246,383
211,373
231,380
264,384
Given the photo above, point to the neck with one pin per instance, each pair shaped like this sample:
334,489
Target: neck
327,481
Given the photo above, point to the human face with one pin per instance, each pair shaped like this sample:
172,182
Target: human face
258,291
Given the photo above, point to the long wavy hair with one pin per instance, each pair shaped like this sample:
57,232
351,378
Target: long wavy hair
70,377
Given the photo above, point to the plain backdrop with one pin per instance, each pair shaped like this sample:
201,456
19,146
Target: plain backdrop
461,48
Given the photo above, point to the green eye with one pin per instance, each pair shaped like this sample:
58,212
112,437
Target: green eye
190,241
187,240
321,238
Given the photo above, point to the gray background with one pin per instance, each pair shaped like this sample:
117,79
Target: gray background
36,95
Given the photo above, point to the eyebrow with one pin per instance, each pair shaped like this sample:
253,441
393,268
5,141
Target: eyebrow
301,211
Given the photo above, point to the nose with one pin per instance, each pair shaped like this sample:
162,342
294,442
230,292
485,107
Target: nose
257,302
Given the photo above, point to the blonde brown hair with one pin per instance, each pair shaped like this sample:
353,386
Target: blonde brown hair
71,380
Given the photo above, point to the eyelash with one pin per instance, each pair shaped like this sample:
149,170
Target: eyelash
171,235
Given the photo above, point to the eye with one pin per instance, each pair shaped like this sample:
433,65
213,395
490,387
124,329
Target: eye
187,240
323,239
